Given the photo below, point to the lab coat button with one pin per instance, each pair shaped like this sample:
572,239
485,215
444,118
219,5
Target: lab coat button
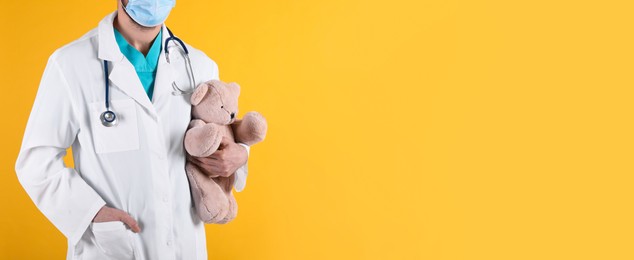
169,242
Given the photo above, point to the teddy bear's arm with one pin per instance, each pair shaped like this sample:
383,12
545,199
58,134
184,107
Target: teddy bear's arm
251,129
201,140
195,123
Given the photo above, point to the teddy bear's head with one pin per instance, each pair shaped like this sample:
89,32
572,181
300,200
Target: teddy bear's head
216,102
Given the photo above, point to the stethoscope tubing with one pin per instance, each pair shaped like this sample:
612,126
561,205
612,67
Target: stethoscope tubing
105,71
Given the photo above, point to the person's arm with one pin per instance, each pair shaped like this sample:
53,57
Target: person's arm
59,192
241,173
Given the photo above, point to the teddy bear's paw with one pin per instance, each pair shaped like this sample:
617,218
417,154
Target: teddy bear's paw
252,128
213,214
233,210
202,141
213,208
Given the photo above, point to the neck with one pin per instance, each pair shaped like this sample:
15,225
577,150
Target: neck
140,37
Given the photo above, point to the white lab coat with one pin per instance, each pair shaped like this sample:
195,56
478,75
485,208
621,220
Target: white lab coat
137,166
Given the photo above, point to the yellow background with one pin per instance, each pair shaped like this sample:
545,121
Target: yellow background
398,129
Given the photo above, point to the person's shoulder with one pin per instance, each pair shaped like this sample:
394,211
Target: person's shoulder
206,65
83,47
199,55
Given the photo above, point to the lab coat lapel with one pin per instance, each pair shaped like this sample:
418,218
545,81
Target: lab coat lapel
124,77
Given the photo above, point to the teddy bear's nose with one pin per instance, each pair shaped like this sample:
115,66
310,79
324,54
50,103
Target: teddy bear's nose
233,115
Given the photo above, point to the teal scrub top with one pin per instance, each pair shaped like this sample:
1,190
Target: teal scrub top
145,66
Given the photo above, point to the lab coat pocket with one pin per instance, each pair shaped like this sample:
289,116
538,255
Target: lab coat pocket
124,136
113,239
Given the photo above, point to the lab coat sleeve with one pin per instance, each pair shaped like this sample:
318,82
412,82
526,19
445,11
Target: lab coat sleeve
241,173
58,192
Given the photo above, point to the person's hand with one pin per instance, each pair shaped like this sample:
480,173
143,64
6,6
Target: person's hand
223,162
107,214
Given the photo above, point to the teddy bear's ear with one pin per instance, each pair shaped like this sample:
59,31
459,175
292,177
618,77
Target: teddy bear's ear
199,93
234,87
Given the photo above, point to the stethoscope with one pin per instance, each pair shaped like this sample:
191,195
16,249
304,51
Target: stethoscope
109,118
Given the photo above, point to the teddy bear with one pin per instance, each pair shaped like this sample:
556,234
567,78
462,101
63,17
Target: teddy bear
214,116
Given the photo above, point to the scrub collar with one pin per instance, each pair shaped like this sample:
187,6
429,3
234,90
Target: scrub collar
140,62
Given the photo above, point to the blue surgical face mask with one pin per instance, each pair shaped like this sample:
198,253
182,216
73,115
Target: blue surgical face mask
149,13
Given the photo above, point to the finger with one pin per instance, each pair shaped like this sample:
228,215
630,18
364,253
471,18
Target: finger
225,142
213,170
206,161
209,170
218,155
226,173
212,167
128,220
198,160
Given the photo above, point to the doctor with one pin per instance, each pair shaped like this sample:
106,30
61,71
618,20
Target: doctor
127,196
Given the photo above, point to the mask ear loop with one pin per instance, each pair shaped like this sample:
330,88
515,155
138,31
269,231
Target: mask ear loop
188,64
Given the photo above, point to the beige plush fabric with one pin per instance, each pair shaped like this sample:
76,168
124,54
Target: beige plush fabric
214,115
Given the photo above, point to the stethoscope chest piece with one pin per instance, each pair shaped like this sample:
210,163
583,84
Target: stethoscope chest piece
108,118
